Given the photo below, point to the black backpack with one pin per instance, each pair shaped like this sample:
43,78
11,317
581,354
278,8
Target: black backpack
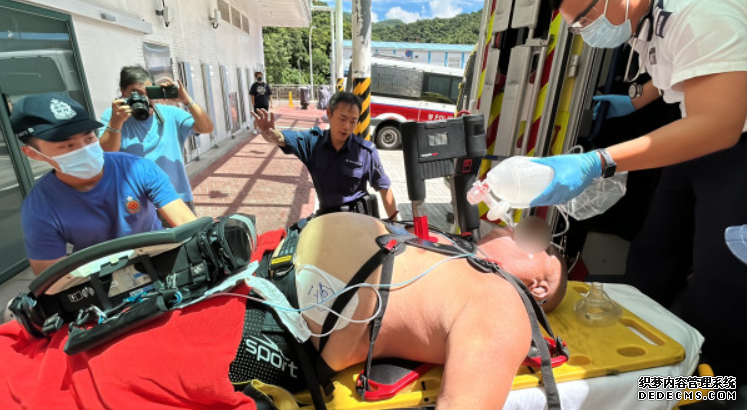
106,290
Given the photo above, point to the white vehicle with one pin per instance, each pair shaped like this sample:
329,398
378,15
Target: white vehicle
28,72
404,91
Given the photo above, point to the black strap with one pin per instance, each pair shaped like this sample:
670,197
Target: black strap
536,316
339,304
309,373
386,279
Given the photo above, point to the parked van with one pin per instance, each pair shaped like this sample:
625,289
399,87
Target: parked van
404,91
28,72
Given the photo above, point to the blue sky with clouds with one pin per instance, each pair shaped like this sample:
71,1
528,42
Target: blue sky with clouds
413,10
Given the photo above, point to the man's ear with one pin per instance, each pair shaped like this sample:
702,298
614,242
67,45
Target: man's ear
31,153
540,289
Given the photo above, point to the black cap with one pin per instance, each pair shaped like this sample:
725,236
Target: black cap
53,117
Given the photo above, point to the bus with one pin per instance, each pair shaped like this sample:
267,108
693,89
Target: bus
405,91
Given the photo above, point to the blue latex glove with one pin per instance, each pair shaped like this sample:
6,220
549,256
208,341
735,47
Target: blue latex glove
573,173
620,105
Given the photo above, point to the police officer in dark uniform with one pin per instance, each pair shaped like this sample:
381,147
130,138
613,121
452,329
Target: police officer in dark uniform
340,162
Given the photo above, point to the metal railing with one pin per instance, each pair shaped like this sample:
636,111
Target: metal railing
280,92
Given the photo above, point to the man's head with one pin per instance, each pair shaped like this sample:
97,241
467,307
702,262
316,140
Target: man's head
134,78
258,76
343,112
545,273
57,130
602,23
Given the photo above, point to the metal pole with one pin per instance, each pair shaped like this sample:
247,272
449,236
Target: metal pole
362,63
340,70
333,54
332,64
311,66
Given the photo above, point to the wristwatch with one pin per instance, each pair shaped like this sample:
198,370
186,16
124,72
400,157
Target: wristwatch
635,90
608,164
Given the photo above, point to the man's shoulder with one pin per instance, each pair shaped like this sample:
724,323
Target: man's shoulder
40,187
47,190
316,131
365,144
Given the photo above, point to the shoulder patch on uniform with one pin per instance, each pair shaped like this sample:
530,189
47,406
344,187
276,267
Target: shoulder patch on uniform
661,22
364,143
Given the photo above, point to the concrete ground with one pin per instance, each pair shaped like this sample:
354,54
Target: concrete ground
248,175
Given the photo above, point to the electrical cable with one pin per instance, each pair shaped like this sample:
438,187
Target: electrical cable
321,303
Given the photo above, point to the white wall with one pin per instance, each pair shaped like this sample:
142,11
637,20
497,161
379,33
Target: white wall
106,47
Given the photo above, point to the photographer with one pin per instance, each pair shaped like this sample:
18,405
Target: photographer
139,126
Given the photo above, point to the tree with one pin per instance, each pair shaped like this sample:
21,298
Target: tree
287,53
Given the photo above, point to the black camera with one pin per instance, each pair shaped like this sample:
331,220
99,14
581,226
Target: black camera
140,106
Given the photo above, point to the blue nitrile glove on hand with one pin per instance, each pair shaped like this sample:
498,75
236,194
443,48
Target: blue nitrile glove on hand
619,105
573,173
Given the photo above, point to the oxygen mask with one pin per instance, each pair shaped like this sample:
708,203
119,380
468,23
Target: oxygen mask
596,309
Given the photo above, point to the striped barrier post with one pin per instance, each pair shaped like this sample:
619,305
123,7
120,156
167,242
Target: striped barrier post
362,88
361,67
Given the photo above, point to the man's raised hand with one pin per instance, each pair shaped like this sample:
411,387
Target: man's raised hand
264,121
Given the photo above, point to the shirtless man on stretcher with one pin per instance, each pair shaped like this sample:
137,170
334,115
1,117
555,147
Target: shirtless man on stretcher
473,322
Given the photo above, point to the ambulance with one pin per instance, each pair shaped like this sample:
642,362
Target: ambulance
405,91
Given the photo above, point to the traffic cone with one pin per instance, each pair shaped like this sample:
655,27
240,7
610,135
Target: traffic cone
290,99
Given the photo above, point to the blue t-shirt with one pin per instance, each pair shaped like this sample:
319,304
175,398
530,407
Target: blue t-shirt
122,203
339,176
160,142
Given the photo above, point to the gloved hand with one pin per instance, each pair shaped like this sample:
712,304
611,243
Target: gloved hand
573,173
620,105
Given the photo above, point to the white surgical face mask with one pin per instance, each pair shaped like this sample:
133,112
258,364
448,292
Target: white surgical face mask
84,163
603,34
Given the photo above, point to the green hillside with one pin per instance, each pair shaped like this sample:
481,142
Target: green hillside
461,29
287,52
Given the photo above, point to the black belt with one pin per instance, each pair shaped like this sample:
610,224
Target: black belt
366,204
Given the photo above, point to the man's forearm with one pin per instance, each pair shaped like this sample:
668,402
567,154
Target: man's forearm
111,141
177,213
387,198
203,123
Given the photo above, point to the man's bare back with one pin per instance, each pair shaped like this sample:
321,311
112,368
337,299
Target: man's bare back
474,323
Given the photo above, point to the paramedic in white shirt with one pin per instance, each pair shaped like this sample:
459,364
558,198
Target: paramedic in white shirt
696,54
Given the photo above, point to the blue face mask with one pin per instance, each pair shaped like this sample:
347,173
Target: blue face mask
83,163
603,34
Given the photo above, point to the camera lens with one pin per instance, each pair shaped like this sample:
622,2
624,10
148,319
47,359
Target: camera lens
139,105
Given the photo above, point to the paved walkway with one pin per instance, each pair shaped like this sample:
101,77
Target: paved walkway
255,177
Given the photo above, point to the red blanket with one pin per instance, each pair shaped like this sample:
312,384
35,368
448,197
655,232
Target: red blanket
180,360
